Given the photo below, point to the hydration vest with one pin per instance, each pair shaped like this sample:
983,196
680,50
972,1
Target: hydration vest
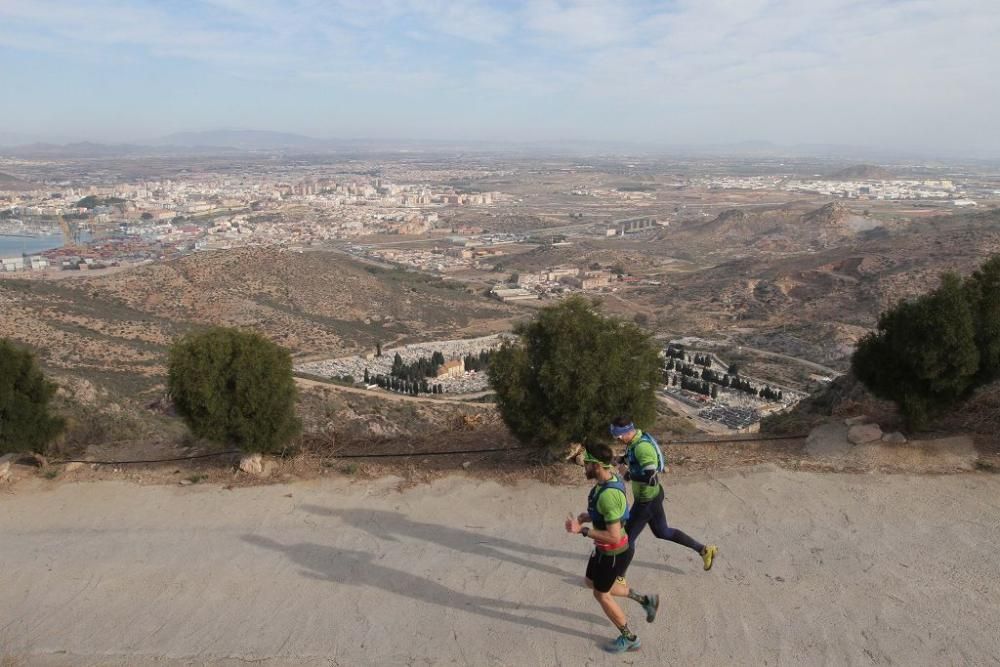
596,517
635,469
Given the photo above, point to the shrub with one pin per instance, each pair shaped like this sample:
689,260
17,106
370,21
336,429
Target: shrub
26,423
571,372
923,354
983,293
234,387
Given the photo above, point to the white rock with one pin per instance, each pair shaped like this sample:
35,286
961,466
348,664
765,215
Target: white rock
252,464
864,433
895,438
855,421
467,464
70,467
5,461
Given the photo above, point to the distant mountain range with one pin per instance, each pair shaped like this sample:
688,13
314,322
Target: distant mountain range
230,140
250,140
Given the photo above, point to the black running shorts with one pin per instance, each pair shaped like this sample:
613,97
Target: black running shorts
603,569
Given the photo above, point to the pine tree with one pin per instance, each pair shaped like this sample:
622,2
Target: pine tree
571,371
923,354
26,420
982,290
234,387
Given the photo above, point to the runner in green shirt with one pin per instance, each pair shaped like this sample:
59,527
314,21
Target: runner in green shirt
642,462
607,510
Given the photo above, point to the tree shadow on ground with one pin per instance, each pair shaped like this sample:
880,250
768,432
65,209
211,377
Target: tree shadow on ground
387,526
358,568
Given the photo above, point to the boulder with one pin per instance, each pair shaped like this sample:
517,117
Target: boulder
252,464
29,459
861,434
894,438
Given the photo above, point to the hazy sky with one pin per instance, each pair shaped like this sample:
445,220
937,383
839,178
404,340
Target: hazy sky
897,74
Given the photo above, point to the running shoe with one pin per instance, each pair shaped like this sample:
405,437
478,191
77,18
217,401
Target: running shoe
708,555
652,604
621,645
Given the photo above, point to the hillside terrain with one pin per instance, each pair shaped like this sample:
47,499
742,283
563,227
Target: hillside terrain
862,172
104,339
816,304
313,303
804,282
13,183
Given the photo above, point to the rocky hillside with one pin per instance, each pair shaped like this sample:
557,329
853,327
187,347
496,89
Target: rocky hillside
769,232
13,183
862,172
115,330
816,304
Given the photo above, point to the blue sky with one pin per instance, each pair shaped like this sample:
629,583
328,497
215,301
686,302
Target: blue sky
896,74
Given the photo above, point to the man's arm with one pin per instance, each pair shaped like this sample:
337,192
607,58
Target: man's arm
645,454
611,505
613,535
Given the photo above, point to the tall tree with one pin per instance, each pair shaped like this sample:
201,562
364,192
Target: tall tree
572,370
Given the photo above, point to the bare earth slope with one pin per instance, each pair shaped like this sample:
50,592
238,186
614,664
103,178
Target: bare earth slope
118,327
814,569
821,302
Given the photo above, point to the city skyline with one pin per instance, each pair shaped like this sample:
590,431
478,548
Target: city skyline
903,76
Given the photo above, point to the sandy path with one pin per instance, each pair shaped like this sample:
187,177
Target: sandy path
462,399
816,569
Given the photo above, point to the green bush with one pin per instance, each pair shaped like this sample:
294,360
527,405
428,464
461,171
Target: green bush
983,292
234,387
571,372
930,353
26,423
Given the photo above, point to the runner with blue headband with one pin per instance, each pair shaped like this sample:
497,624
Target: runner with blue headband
642,463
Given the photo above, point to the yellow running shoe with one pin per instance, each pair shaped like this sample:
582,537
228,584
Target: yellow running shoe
708,555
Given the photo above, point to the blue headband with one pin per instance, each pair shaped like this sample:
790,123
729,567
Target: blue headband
619,431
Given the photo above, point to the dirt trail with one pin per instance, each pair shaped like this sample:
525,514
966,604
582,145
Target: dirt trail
815,569
392,396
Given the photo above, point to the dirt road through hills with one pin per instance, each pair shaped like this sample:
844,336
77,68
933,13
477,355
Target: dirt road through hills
815,569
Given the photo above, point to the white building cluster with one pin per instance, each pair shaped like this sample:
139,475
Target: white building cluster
211,210
895,189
